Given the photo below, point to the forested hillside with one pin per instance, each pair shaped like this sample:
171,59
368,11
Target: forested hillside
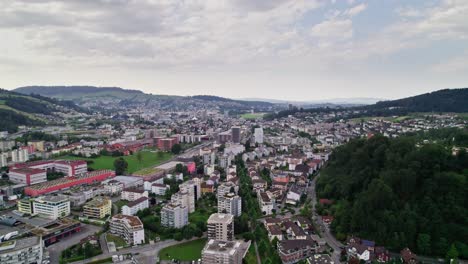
31,110
399,193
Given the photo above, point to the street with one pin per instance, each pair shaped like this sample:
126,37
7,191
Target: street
323,229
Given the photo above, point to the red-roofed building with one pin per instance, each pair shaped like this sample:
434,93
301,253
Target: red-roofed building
27,176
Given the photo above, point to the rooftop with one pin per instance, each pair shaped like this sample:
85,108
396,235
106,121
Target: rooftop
133,221
221,218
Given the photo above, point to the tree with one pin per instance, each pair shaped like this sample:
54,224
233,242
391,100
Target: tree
120,165
452,255
176,149
424,244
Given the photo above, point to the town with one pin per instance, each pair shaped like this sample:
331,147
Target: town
184,187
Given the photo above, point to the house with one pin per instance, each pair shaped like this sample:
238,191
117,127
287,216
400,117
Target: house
159,189
274,231
325,202
207,188
294,194
259,185
327,219
134,206
359,251
294,231
408,257
381,255
132,194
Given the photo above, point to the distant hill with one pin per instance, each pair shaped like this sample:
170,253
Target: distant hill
447,100
18,109
116,97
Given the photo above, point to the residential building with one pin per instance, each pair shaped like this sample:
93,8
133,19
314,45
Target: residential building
174,215
224,252
230,203
185,199
22,251
225,188
132,194
293,251
98,208
159,189
3,159
113,187
236,134
51,207
19,155
258,135
266,203
25,206
221,227
27,176
134,206
128,227
192,187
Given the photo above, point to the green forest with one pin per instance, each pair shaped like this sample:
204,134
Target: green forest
400,193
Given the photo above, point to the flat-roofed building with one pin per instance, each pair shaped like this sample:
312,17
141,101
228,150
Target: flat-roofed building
25,205
132,194
98,208
51,207
22,251
221,227
174,215
230,203
128,227
185,199
133,207
27,176
224,252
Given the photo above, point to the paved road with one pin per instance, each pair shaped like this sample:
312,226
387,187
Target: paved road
103,243
57,248
324,231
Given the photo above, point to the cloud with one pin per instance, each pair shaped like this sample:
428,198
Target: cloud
356,9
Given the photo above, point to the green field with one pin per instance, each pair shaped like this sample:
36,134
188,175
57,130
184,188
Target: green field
186,251
119,242
252,115
149,159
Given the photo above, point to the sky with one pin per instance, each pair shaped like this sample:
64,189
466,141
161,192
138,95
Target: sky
278,49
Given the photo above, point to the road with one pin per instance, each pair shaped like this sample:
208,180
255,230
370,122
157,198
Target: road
56,249
146,253
323,229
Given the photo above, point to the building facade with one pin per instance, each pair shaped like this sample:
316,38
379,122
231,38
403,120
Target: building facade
221,227
128,227
174,215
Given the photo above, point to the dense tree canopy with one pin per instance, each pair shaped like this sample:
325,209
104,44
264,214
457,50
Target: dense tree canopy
399,193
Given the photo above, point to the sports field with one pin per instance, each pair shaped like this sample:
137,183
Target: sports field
186,251
149,158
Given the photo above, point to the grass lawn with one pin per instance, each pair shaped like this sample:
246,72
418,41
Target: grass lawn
186,251
149,158
252,115
119,242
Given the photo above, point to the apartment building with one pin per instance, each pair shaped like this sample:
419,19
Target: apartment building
98,208
128,227
51,207
185,199
132,194
22,251
192,187
230,203
221,227
225,188
174,215
133,207
224,252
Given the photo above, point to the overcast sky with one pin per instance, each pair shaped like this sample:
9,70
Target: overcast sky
283,49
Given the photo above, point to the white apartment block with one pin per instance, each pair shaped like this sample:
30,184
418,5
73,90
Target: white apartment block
174,215
258,135
3,159
128,227
192,187
133,207
225,188
51,207
224,252
133,194
19,155
230,203
25,250
159,189
221,227
185,199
